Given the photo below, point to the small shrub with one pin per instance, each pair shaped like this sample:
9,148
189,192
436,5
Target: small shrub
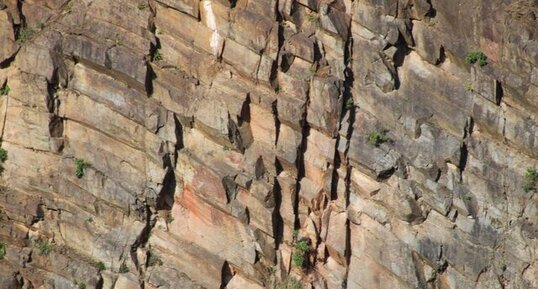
142,6
311,72
81,285
298,259
100,266
169,219
313,18
299,255
295,234
4,90
23,34
69,7
349,103
3,155
153,260
2,250
44,248
476,57
289,283
469,86
124,268
531,178
376,138
81,165
302,246
157,55
271,270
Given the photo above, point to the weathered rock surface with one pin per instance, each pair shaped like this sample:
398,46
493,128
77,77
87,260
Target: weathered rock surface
206,143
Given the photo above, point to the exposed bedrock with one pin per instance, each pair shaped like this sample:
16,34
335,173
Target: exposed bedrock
263,144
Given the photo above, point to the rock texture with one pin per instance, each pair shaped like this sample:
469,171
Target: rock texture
214,140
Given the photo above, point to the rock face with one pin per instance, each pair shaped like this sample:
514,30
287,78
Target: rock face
265,144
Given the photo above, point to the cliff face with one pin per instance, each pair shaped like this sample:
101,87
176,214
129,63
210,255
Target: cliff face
229,144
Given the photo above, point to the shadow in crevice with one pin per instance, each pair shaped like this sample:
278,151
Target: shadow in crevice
278,223
165,198
226,275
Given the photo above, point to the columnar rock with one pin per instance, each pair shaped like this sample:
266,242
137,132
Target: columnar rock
269,144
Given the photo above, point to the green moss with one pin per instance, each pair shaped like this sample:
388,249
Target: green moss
476,57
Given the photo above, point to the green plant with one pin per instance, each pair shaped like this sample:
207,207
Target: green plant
302,246
299,255
81,285
298,259
2,250
44,248
142,6
289,283
531,178
431,23
313,18
100,266
124,268
311,72
153,260
349,103
169,219
478,57
271,270
81,165
469,86
3,155
376,138
4,90
69,7
157,55
23,34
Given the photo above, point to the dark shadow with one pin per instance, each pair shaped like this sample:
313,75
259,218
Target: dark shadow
226,275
